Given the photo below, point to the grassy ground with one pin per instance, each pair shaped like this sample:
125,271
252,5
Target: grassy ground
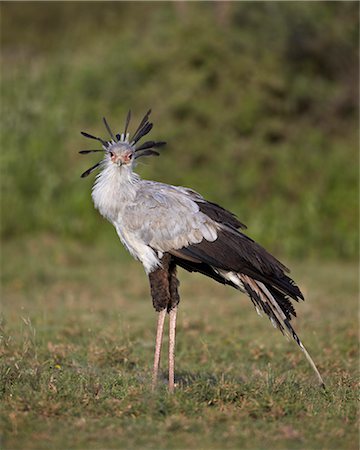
77,352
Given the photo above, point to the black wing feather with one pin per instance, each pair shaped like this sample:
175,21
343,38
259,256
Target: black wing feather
233,251
219,214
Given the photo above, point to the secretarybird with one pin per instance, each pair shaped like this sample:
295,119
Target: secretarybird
166,226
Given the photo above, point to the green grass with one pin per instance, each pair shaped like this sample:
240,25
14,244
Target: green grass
77,348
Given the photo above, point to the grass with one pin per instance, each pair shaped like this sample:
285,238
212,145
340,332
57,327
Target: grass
77,347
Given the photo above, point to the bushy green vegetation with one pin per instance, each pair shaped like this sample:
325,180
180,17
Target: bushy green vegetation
256,100
77,347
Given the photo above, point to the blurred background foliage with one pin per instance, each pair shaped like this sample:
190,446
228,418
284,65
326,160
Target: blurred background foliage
258,103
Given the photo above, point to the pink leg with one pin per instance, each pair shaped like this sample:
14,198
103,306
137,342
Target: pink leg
172,329
159,335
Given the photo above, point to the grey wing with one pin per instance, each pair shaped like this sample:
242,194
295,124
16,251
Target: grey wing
180,221
172,219
167,218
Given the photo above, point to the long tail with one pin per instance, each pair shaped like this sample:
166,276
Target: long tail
279,309
275,304
271,296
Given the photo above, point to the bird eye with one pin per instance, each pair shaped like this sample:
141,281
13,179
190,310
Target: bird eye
111,154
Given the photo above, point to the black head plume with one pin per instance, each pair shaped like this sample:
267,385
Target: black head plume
146,153
143,124
145,149
85,152
143,129
150,144
90,136
109,129
128,118
88,172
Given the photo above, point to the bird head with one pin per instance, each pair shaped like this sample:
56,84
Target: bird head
121,150
121,154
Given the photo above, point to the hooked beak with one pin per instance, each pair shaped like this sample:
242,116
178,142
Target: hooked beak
121,159
116,159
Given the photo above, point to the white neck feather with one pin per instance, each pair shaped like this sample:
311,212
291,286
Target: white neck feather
113,188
